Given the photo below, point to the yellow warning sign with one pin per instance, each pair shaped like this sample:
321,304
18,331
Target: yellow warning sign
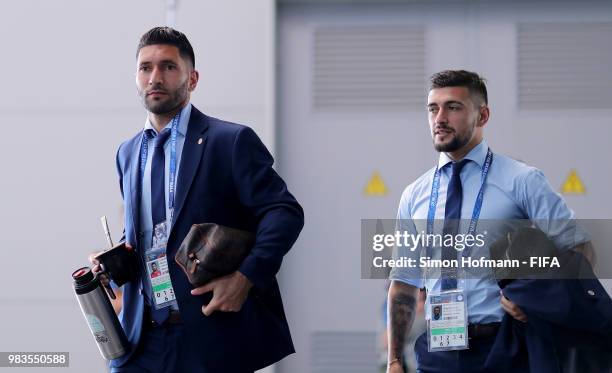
376,186
573,184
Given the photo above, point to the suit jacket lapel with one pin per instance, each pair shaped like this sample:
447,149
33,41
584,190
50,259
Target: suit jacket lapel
195,142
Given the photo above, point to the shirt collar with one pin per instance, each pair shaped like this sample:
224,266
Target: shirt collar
182,126
478,155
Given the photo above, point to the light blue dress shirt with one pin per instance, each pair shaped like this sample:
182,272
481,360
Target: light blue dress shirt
146,220
513,190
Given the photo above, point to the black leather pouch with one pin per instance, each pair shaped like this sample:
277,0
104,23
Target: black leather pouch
210,251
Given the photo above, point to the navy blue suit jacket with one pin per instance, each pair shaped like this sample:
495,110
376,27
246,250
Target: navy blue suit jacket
225,177
562,314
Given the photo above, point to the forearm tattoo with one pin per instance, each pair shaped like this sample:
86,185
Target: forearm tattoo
401,314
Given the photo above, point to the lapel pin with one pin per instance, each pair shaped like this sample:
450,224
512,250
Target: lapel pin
200,141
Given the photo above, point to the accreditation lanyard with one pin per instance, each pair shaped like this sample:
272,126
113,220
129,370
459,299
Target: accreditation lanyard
435,188
144,150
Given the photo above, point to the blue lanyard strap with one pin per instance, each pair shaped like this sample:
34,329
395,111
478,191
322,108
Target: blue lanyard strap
435,188
144,150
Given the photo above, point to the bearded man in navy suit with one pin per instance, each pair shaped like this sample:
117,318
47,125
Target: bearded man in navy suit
211,171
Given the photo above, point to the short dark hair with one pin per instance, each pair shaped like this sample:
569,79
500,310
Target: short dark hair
461,78
169,36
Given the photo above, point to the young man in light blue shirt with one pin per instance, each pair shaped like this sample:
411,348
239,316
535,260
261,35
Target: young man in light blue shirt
458,112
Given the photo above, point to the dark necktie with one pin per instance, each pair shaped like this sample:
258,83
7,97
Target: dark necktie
158,180
452,214
158,202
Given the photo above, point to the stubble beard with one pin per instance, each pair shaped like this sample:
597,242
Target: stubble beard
175,99
455,144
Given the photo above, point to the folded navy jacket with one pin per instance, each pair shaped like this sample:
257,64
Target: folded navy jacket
568,308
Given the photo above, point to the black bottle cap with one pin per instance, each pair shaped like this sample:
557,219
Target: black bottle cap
83,276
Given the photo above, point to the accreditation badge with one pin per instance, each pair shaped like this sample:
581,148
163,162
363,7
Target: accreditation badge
447,324
157,269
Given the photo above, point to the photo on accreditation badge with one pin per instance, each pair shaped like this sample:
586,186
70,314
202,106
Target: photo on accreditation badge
154,270
436,312
306,186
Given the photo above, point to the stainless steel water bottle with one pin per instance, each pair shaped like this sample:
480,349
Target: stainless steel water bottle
99,314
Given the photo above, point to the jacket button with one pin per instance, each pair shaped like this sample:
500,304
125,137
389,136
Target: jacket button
590,292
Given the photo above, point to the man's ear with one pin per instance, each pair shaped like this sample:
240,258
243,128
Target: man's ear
194,76
483,115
